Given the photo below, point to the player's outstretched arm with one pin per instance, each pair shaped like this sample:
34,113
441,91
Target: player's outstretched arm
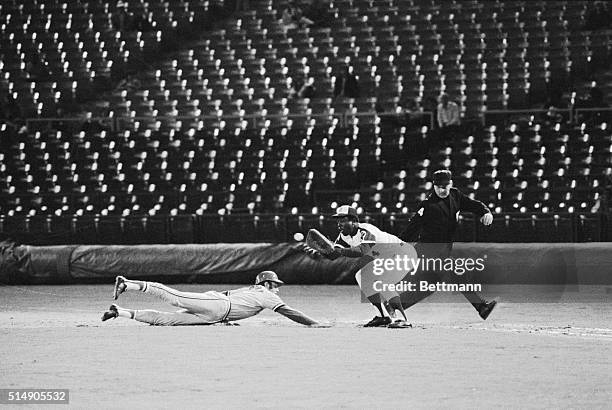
353,251
296,315
341,248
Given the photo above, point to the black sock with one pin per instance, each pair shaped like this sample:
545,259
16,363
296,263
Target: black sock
475,299
375,300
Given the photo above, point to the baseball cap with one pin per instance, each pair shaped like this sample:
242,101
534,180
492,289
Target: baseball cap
268,276
346,210
442,177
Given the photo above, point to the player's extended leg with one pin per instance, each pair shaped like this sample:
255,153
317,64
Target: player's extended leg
153,317
483,307
212,305
122,284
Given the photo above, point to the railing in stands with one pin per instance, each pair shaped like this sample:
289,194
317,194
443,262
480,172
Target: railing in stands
117,123
215,228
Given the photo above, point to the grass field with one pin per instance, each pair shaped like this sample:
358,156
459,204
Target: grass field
526,355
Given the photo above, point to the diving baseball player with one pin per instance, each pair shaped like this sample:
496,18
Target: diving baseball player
434,224
209,307
355,241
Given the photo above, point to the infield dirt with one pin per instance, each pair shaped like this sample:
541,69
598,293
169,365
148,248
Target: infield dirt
526,354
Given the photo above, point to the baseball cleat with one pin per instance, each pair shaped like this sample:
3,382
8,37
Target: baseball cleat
378,321
485,309
399,324
111,313
120,286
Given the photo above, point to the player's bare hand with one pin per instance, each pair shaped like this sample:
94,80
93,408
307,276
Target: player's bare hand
487,219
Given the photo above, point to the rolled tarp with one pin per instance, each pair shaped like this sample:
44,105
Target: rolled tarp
532,263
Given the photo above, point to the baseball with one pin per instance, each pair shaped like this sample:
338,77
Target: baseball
298,236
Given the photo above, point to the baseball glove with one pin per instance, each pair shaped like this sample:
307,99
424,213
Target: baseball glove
317,241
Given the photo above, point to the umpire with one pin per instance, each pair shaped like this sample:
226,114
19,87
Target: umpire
434,224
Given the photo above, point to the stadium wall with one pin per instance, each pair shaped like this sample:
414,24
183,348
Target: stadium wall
531,263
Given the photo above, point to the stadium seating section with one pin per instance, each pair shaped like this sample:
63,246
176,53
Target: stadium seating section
213,144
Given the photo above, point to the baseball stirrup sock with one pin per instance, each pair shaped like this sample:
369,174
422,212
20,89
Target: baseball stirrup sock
134,285
125,313
475,299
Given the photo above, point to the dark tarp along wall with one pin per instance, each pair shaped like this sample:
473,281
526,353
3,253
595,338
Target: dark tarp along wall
218,263
588,263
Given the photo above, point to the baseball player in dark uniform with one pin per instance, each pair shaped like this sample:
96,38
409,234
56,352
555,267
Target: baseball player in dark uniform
209,307
434,224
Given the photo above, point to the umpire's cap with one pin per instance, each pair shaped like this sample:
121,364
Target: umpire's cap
268,276
442,177
346,210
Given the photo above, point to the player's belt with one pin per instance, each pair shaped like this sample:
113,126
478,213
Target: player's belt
228,311
229,308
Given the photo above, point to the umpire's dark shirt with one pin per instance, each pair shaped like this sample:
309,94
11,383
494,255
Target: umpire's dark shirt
436,219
